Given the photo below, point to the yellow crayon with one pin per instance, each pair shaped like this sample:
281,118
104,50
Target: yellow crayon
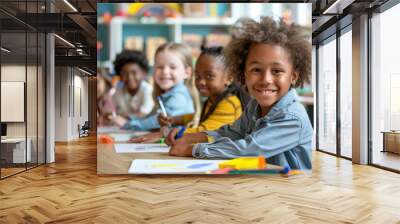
244,163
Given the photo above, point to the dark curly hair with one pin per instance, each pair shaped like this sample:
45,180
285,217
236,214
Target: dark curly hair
130,56
294,38
216,51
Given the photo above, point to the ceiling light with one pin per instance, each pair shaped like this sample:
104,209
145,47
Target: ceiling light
86,72
5,49
337,7
328,10
64,40
70,5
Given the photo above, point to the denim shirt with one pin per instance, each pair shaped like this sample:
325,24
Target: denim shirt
177,101
283,136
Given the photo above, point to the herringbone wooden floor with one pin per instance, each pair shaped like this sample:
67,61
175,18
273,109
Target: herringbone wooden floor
70,191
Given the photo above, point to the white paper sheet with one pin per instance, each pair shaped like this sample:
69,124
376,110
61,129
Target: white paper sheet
123,137
110,129
140,148
167,166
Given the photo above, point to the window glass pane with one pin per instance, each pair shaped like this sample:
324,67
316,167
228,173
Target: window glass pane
327,97
15,150
22,86
385,86
346,94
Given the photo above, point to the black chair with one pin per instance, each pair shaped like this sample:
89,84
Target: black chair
84,130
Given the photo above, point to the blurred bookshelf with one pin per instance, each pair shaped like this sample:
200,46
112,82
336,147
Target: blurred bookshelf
146,33
144,26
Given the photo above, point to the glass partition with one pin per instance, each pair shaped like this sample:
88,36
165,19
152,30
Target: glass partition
327,96
15,151
22,77
385,89
346,93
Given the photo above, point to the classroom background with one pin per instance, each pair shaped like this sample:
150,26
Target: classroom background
145,26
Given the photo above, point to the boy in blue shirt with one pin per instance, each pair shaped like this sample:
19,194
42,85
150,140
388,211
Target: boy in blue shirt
270,58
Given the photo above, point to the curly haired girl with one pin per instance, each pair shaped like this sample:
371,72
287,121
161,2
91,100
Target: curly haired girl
270,58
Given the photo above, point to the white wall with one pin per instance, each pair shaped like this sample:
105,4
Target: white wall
61,103
71,94
33,126
14,73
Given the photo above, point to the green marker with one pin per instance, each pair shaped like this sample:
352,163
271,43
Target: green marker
161,141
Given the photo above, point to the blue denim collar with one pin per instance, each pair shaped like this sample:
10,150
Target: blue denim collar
289,98
178,87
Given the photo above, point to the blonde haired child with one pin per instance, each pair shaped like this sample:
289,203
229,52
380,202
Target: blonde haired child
173,83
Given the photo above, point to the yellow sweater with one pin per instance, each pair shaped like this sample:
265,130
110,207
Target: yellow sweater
227,111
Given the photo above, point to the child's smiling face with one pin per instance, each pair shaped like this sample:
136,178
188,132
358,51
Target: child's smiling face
211,79
169,70
132,75
269,74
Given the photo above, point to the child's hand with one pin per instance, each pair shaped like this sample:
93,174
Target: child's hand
119,120
153,137
164,121
170,139
123,114
181,150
